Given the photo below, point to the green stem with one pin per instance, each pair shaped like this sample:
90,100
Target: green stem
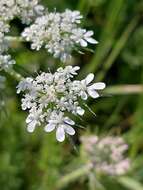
14,39
64,181
124,89
15,75
94,184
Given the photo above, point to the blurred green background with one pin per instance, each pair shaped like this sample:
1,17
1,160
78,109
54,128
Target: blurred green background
36,161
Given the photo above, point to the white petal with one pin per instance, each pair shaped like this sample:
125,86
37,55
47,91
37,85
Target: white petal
48,128
69,130
31,127
28,119
93,93
69,121
89,78
76,68
91,40
83,95
89,33
80,111
83,43
60,134
98,86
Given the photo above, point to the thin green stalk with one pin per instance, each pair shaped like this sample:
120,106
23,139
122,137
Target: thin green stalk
12,72
73,176
14,39
15,75
117,49
124,89
94,184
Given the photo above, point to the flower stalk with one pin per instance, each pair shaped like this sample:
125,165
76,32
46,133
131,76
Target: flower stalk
124,89
14,39
65,180
15,75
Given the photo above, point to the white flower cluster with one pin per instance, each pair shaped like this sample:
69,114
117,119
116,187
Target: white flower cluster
4,28
49,97
107,154
6,62
9,9
25,9
59,33
28,10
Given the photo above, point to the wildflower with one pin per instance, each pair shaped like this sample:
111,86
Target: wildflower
27,10
49,97
82,37
6,62
83,89
33,119
24,9
61,124
107,153
59,33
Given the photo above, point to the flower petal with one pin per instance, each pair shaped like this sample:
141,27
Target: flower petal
48,128
60,134
89,78
91,40
88,33
80,111
31,127
69,130
76,68
29,119
83,95
98,86
69,121
83,43
93,93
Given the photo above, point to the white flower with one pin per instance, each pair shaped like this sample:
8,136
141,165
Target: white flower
82,37
59,33
9,9
25,9
67,72
49,97
33,119
108,153
28,9
72,16
24,85
6,62
61,124
27,102
84,89
92,89
87,37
